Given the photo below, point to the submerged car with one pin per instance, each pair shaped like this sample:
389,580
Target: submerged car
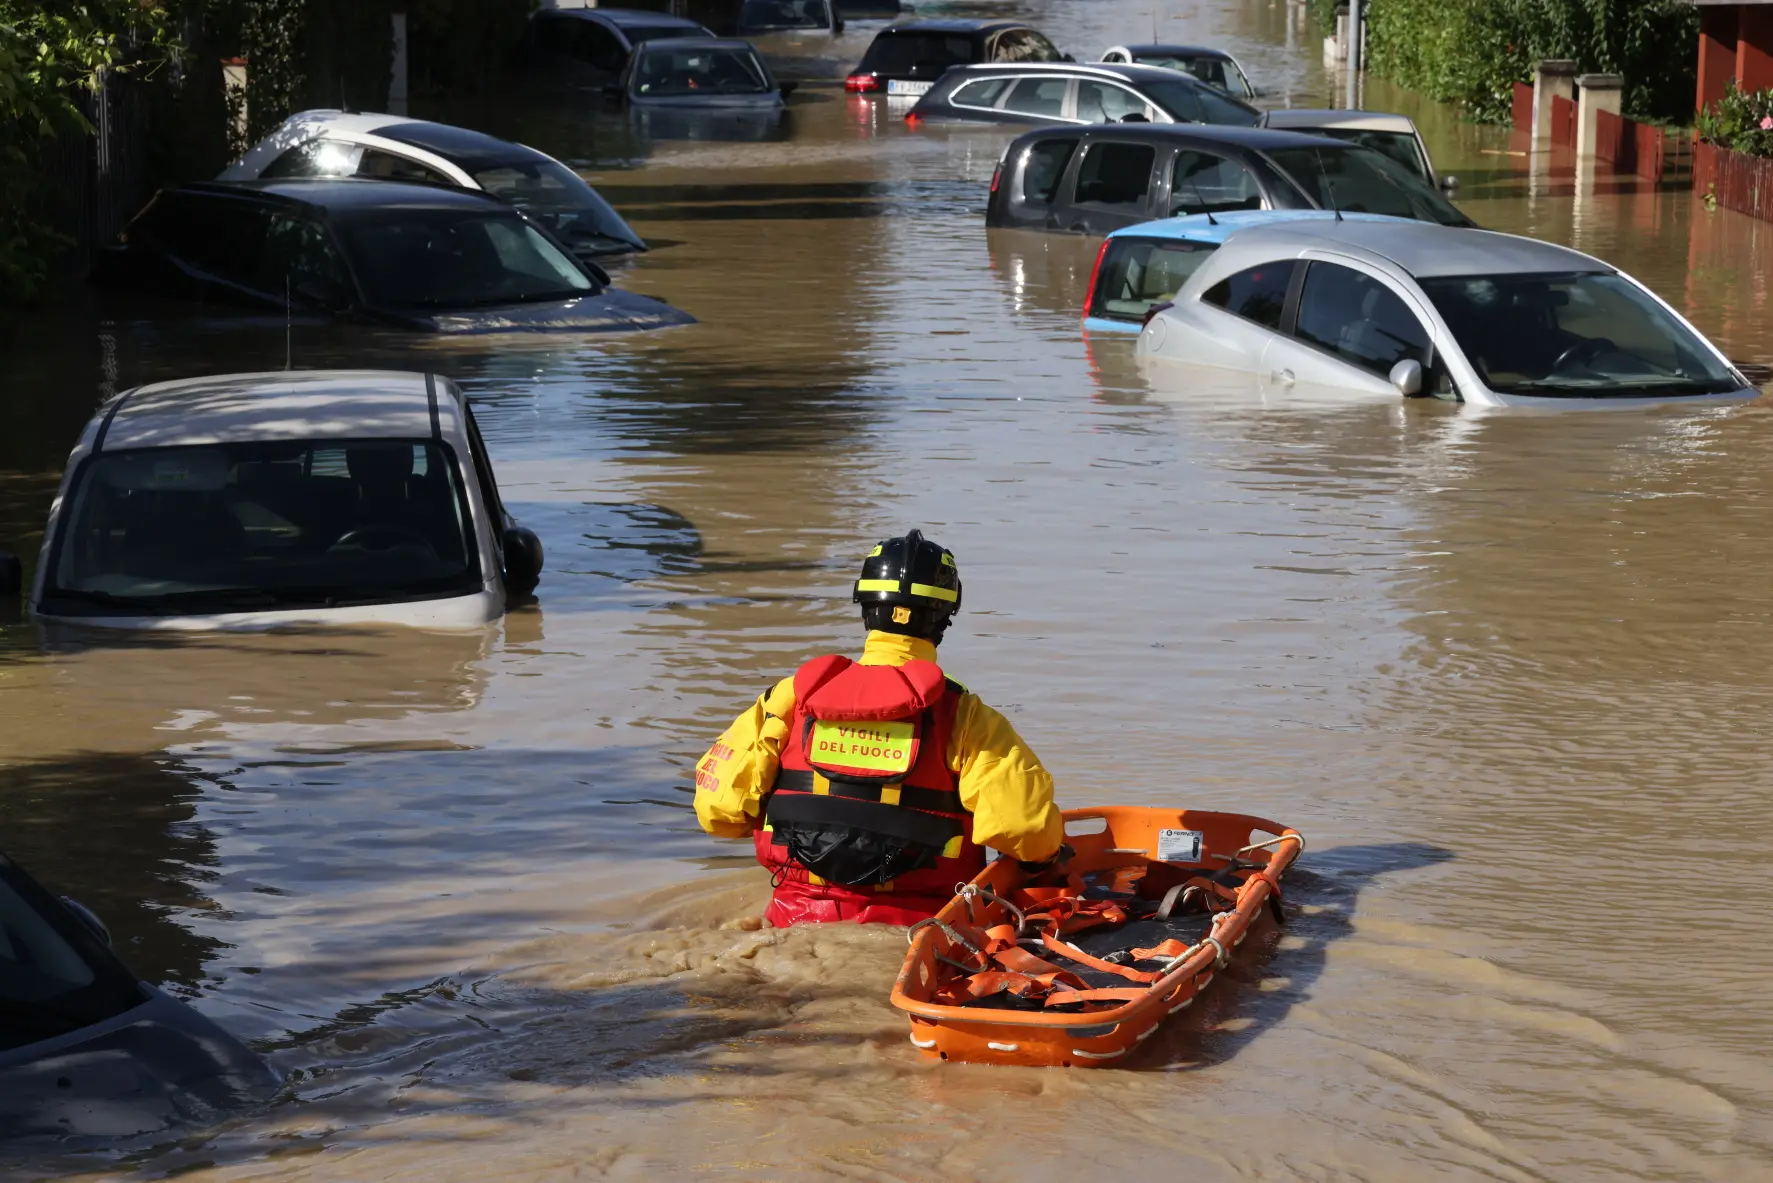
709,72
1214,67
1394,135
906,59
1362,309
1142,267
300,497
377,252
1092,180
1067,92
597,41
742,18
87,1048
392,147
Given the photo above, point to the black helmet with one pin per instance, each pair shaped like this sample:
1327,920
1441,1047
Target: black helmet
910,572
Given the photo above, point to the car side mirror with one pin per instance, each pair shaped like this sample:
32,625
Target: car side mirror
523,560
1065,57
1135,117
788,88
12,576
1449,184
1407,377
88,920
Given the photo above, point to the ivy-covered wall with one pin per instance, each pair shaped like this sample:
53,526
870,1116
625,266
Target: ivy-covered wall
1472,52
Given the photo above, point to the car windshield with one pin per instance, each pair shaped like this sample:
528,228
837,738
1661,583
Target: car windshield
759,15
457,259
1139,272
1360,180
1400,146
1214,71
664,73
265,525
1192,103
559,199
901,53
1582,334
47,987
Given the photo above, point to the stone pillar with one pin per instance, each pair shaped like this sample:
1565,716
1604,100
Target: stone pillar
1754,47
1595,92
1551,77
234,95
1718,34
397,74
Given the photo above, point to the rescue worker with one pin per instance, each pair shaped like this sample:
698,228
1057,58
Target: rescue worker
871,788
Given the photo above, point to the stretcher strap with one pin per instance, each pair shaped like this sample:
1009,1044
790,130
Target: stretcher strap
1078,955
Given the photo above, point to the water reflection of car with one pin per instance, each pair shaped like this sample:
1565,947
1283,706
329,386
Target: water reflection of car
1092,180
88,1049
392,147
392,253
1394,135
1214,67
596,42
1052,92
1142,267
301,497
1364,309
700,72
906,59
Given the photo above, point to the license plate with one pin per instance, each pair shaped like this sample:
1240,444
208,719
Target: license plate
896,87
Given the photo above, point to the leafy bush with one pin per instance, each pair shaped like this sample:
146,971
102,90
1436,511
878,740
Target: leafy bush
1741,121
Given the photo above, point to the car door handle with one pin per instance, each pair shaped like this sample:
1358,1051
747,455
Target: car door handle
1283,377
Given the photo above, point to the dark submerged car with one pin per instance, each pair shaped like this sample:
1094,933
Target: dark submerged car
596,41
1092,180
700,72
907,59
1045,92
88,1049
1214,67
379,252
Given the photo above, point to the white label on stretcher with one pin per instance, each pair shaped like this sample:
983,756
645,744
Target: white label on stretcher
1178,846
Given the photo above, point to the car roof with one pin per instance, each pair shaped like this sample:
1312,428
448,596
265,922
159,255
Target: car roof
949,26
286,405
1424,249
624,18
657,43
1257,138
1126,73
472,150
1359,120
1199,51
354,193
1199,228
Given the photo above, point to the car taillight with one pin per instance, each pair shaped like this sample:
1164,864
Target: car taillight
1095,274
858,83
996,176
1154,310
913,118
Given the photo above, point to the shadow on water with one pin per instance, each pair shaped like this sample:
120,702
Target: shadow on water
1279,965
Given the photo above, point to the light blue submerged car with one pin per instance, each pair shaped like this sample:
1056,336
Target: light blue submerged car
1143,266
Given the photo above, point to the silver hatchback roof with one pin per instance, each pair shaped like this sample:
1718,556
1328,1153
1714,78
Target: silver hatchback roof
1423,249
291,405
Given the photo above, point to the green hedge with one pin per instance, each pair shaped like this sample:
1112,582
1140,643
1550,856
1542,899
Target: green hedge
1472,52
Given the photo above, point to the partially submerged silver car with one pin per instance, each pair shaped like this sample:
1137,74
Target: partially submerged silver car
1363,309
297,498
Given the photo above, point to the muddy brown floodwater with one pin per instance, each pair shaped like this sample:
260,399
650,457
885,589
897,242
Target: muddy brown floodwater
1508,673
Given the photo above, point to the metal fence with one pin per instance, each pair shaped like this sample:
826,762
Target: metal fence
89,184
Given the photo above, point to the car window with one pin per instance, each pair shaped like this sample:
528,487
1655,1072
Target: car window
1038,96
316,158
266,525
1204,183
1258,293
1359,319
759,15
983,92
1354,179
456,259
223,236
701,71
1398,145
558,198
1022,45
1191,102
50,983
1045,50
386,166
1115,174
599,46
489,488
1105,102
1043,166
900,53
299,252
1136,273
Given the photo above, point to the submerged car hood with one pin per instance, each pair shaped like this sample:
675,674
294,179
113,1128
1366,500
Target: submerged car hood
609,311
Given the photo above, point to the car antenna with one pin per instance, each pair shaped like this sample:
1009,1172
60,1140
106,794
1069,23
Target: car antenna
1201,197
1329,185
288,325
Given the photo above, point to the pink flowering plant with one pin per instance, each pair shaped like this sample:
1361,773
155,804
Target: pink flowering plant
1741,121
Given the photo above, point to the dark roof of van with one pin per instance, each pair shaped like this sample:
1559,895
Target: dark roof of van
624,18
949,26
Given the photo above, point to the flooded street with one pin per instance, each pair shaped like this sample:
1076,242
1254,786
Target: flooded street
1502,670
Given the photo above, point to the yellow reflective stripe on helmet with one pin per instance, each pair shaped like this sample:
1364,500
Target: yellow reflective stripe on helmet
948,560
877,585
875,553
933,592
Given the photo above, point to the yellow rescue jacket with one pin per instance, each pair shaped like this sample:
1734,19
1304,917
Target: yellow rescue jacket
1002,783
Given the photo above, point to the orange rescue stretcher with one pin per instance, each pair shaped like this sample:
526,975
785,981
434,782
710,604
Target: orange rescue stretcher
1021,969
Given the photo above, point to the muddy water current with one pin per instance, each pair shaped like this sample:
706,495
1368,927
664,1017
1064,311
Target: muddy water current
1508,674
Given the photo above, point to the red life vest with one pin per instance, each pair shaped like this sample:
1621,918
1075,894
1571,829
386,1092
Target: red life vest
865,816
